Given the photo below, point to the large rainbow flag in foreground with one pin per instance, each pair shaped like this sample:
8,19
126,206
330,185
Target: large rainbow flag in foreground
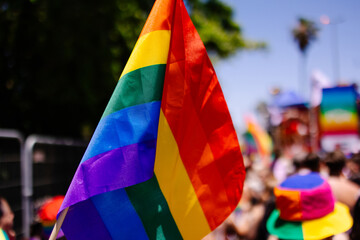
164,161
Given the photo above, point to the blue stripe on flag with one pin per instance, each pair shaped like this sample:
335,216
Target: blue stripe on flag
127,126
119,215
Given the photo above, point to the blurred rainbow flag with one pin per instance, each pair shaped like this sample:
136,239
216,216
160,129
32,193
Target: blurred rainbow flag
338,113
256,134
164,161
47,214
249,147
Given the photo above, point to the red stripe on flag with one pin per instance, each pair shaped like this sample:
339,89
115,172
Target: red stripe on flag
196,111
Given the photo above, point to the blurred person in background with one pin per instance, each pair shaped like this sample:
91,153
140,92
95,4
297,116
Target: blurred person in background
355,233
247,222
306,163
353,167
6,220
345,191
283,166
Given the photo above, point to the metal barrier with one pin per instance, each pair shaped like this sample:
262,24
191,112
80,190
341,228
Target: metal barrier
47,167
48,171
11,183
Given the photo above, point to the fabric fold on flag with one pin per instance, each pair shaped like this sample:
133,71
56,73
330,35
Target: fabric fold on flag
164,161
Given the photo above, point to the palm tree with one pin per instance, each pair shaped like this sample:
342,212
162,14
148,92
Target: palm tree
304,33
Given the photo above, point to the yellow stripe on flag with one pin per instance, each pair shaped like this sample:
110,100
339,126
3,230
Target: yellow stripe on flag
176,186
150,49
339,121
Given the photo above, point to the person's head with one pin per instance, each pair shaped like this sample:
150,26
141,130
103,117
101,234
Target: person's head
335,161
6,215
354,163
309,161
312,162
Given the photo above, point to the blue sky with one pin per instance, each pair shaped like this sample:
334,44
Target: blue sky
247,77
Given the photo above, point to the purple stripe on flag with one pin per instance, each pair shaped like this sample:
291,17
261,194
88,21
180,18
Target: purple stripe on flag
118,168
79,226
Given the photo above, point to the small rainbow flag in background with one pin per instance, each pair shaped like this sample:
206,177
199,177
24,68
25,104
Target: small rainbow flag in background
338,111
261,138
47,214
164,161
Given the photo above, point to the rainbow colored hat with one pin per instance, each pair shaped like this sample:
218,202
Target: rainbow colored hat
306,209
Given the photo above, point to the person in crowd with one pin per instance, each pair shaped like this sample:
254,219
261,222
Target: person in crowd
6,220
307,209
37,231
344,190
283,167
307,162
247,221
355,232
353,166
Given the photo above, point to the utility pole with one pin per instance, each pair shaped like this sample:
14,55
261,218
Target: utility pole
334,45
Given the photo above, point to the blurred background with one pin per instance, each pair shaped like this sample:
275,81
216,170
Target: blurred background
289,71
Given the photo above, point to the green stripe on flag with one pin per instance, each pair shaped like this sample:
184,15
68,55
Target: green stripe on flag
153,210
137,87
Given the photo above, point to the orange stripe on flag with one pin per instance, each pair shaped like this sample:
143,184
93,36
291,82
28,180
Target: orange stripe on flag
160,17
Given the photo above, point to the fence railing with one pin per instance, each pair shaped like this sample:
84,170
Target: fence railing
47,165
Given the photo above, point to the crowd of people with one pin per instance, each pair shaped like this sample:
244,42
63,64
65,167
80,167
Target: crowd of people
306,196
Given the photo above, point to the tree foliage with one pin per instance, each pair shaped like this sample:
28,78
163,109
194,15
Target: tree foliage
304,33
221,35
60,59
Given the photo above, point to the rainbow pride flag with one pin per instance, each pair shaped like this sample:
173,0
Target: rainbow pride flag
261,138
249,147
338,113
164,161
